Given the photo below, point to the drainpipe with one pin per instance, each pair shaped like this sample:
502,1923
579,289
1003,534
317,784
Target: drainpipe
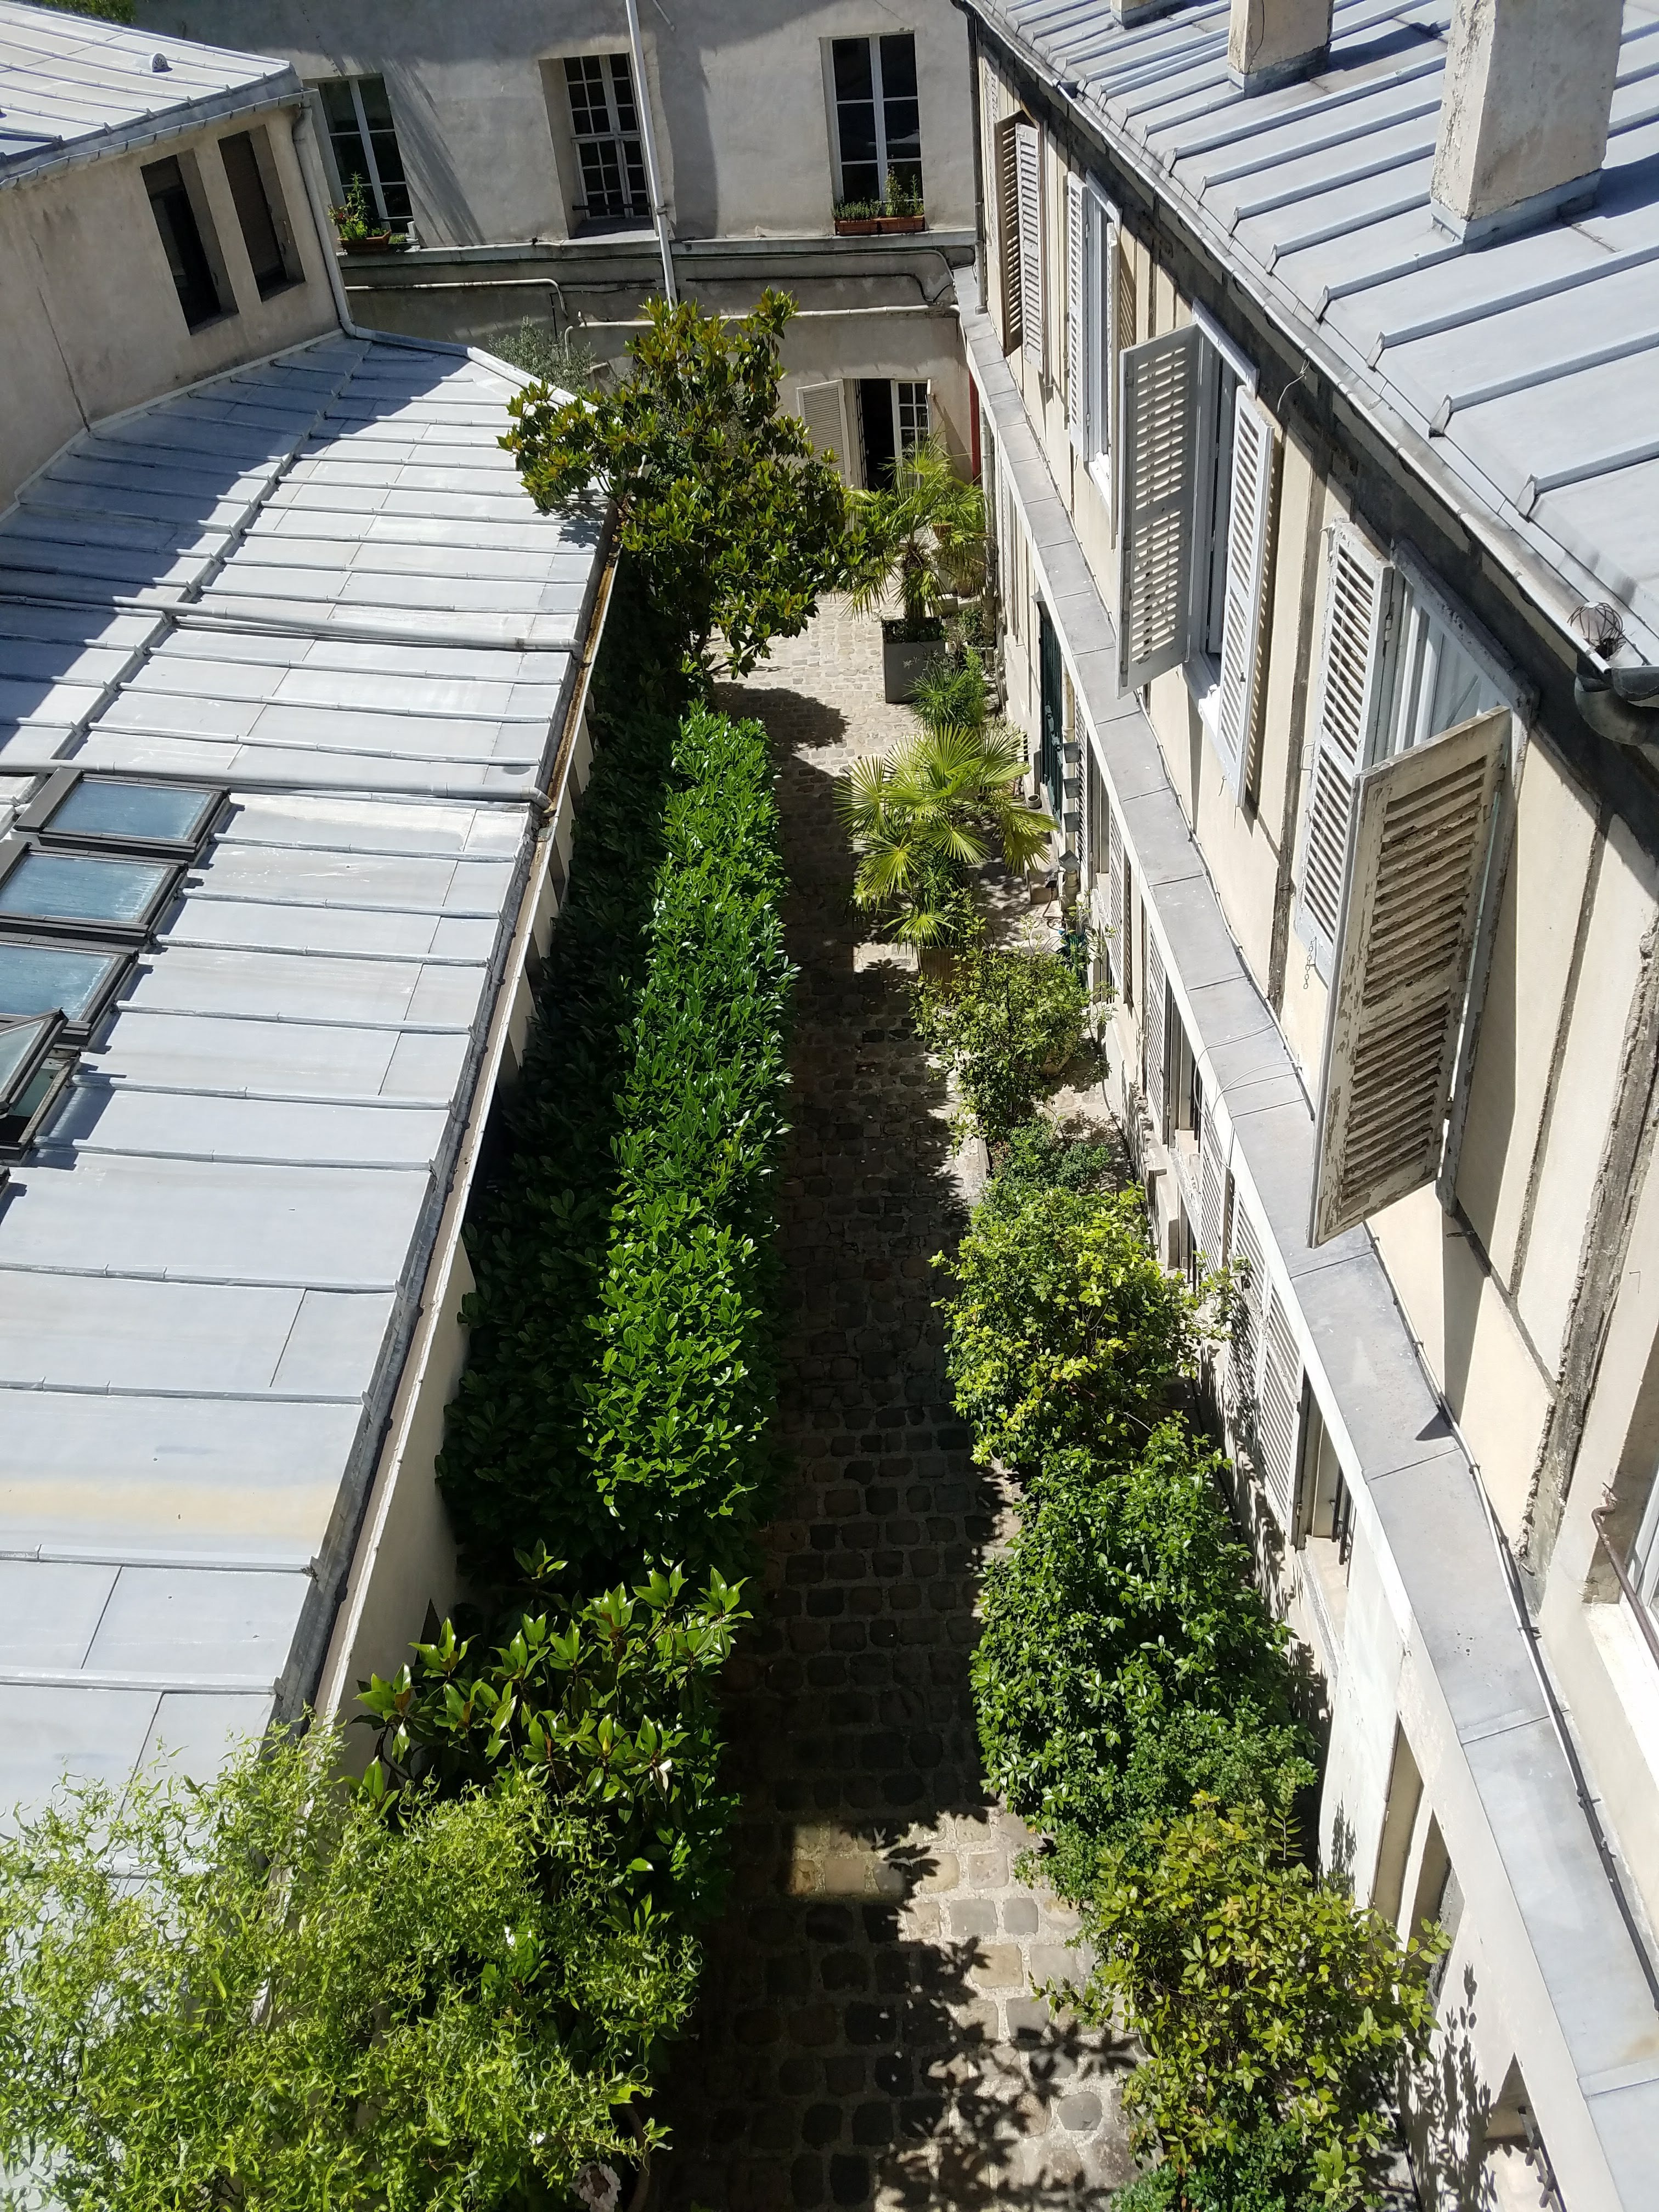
648,136
304,152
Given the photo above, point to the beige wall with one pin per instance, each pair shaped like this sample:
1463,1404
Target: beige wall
92,323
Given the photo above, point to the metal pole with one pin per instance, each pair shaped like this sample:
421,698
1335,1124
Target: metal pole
647,133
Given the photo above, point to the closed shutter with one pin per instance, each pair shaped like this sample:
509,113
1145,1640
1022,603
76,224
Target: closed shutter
1246,589
1076,232
1117,921
1028,165
823,411
1008,261
1154,1036
1244,1353
1409,920
1212,1186
1358,598
1159,384
1279,1410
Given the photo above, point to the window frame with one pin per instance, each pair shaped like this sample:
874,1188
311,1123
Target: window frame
16,846
120,958
873,41
631,168
372,175
35,819
199,238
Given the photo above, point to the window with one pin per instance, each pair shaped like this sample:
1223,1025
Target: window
364,142
1097,289
610,153
878,118
33,1078
892,422
37,977
259,210
910,412
1644,1567
166,818
171,204
81,891
1019,236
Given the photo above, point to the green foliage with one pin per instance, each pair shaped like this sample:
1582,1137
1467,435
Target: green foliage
925,533
622,1365
264,1991
734,524
607,1707
354,218
922,814
951,693
1038,1155
108,11
566,361
1276,2018
1127,1659
1005,1023
1062,1328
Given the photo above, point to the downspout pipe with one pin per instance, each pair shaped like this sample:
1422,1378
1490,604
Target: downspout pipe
1619,704
648,139
304,152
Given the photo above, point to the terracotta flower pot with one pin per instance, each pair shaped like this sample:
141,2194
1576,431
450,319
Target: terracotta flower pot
891,225
378,242
857,226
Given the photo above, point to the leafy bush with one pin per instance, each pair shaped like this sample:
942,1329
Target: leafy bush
950,693
925,531
1276,2018
622,1362
1062,1328
1005,1023
265,1991
734,523
567,360
1126,1660
1039,1155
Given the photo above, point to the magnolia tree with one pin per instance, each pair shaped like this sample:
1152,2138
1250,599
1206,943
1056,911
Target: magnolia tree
734,523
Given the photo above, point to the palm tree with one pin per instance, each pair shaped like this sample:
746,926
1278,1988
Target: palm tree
922,814
926,531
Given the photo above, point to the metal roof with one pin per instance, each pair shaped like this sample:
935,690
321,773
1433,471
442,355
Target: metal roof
1529,368
73,87
316,580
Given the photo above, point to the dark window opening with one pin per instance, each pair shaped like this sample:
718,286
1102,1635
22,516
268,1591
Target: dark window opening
876,427
181,239
364,142
254,214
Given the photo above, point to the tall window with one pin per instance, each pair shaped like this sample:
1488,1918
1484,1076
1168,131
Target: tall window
1435,681
605,118
910,406
878,120
1218,407
255,212
181,237
365,143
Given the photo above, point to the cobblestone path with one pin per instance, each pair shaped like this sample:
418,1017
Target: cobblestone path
867,2032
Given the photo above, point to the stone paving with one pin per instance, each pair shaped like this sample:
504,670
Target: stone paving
868,2033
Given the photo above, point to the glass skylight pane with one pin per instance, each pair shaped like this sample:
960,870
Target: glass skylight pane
17,1044
35,978
105,808
69,887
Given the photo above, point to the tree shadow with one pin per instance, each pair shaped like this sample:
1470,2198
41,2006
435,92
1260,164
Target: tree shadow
867,2032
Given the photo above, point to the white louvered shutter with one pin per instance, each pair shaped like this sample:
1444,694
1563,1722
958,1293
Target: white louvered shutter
1247,527
1421,837
1156,477
1007,211
1244,1354
1279,1410
1119,336
1154,1033
1359,592
1028,178
1077,330
823,411
1212,1186
1116,920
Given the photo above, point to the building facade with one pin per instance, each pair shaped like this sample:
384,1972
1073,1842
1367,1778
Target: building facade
507,143
1316,382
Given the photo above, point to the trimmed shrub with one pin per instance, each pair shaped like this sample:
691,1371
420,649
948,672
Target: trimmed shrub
1062,1329
1128,1659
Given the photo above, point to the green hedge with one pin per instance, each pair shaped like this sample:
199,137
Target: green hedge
622,1365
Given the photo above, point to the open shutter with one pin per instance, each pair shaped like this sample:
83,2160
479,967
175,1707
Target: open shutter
1358,599
1119,336
1408,923
1008,260
1154,1040
823,411
1247,587
1027,168
1279,1410
1244,1353
1077,238
1159,384
1212,1188
1117,921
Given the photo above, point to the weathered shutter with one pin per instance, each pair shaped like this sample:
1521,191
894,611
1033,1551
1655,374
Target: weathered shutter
1154,1040
1244,1353
1117,921
1120,336
1358,599
1158,403
1212,1185
1408,924
1008,261
1027,167
1279,1410
823,411
1247,587
1077,236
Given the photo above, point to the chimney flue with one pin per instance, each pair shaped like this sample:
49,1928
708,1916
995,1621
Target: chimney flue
1269,42
1524,116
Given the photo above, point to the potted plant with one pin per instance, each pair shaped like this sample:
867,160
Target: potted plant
857,218
360,231
926,532
902,210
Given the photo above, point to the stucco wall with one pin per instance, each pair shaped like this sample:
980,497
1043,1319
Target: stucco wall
92,323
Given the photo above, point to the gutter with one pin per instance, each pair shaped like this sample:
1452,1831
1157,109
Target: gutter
281,89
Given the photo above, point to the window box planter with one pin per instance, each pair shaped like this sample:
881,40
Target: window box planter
854,226
907,652
892,226
376,241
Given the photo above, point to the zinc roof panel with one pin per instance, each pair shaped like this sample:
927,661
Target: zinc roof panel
318,823
290,928
68,1332
50,1610
184,1620
97,1735
222,1054
115,1117
278,985
336,1343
